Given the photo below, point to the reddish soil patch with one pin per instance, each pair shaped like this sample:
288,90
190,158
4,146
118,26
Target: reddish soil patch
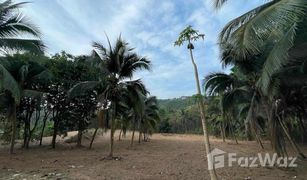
164,157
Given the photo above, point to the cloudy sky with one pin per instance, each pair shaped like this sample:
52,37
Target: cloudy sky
151,26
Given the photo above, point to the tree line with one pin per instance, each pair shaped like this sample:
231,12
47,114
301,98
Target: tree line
264,95
63,92
266,89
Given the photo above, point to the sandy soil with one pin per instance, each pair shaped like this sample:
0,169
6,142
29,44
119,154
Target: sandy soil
164,157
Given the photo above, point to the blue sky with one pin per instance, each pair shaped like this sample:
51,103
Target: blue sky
151,26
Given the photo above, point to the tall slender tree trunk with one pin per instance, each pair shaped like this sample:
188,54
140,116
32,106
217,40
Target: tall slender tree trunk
140,136
12,118
250,119
140,132
27,137
132,137
248,131
25,132
293,144
257,137
79,140
273,129
31,131
211,167
302,126
43,129
112,131
55,132
93,138
233,133
222,132
120,134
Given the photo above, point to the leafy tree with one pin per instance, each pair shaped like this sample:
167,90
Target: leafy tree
68,71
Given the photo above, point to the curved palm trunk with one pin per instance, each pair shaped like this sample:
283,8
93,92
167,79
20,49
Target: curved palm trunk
251,120
211,167
12,118
257,137
273,130
293,144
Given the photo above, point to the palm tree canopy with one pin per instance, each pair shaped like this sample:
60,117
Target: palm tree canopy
119,60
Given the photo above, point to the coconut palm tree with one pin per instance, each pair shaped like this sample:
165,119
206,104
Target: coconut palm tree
17,80
234,90
16,32
150,117
118,64
188,35
270,107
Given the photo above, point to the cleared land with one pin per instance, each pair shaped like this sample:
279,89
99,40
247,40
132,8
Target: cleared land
164,157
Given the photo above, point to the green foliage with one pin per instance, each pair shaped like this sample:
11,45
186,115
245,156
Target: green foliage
265,49
179,115
188,35
177,103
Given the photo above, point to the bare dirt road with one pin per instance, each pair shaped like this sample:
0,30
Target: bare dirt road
164,157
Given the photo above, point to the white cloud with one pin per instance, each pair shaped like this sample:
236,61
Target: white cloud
150,26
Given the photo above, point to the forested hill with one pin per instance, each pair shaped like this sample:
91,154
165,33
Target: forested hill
179,115
177,103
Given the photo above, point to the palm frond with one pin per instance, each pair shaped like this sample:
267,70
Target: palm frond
14,28
271,21
217,82
43,76
30,45
219,3
81,88
18,26
7,8
33,94
277,58
133,63
8,83
100,50
233,25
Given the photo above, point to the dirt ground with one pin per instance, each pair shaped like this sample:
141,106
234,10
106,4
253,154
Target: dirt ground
164,157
